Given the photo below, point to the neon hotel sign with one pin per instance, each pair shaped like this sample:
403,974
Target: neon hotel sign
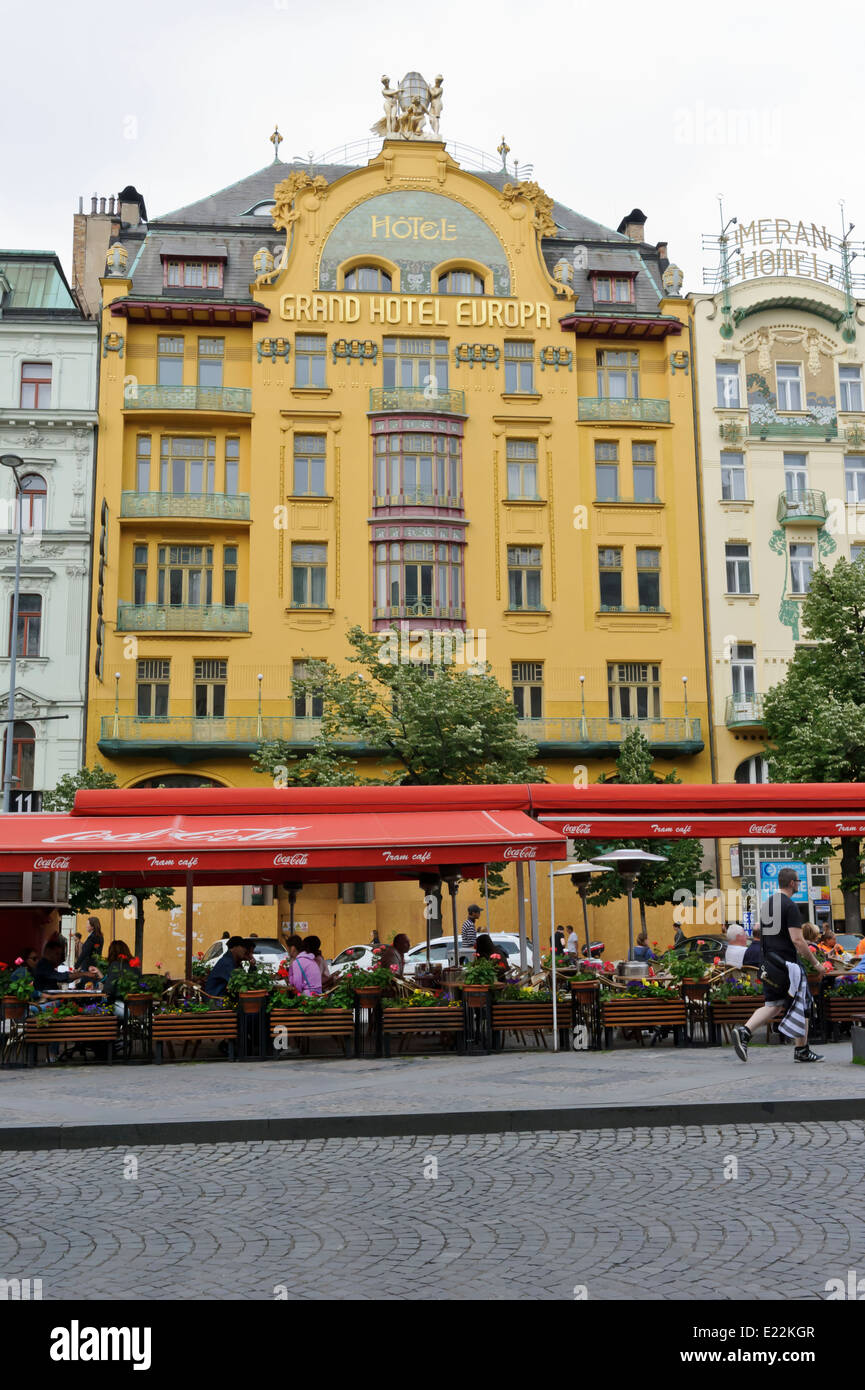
780,246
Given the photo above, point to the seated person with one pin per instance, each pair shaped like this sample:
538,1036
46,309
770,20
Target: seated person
394,954
642,950
486,949
237,951
737,945
304,973
48,975
753,952
829,943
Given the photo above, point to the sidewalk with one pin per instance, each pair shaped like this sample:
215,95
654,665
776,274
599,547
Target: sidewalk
191,1102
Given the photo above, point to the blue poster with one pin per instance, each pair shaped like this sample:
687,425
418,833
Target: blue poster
769,878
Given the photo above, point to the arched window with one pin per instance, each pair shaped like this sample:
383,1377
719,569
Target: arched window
178,779
32,497
367,277
23,757
461,282
754,769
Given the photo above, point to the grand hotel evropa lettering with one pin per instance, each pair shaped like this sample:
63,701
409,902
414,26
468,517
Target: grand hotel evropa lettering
424,311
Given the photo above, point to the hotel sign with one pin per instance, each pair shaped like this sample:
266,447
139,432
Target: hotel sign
772,246
423,311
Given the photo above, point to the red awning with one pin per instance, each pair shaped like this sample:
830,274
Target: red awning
291,845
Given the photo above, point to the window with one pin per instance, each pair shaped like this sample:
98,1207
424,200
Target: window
610,573
310,358
187,465
613,289
232,466
727,383
185,575
169,361
743,670
527,679
460,282
193,275
367,277
142,463
633,690
755,769
305,706
418,579
308,576
229,576
643,456
733,477
29,625
522,458
801,567
32,497
606,471
524,576
139,574
208,691
519,368
795,476
23,756
618,374
854,473
151,689
649,579
418,468
415,363
211,355
309,460
850,381
789,382
857,551
35,385
738,568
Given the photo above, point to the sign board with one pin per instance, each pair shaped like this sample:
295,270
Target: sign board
777,246
769,870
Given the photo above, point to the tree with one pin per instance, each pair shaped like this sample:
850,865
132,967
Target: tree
815,716
681,868
432,724
85,893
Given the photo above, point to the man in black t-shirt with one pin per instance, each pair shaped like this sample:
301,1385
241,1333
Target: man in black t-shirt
781,942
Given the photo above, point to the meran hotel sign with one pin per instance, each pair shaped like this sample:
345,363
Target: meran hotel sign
782,246
421,310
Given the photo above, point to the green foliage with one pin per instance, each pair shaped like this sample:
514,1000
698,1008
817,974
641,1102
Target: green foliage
61,1009
246,977
746,988
685,966
645,991
850,989
480,972
62,798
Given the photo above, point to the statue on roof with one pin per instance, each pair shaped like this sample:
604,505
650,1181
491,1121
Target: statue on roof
408,107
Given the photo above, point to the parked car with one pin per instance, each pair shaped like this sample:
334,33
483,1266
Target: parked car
442,952
848,941
361,956
712,945
268,953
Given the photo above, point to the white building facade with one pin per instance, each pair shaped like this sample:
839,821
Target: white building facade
48,384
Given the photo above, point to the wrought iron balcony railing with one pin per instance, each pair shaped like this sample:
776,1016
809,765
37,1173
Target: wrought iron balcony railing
165,617
402,398
744,711
240,729
234,398
623,408
211,506
809,507
805,428
603,735
416,498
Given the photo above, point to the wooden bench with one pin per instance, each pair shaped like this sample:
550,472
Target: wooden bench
433,1018
639,1014
70,1032
843,1010
333,1023
190,1030
728,1013
523,1016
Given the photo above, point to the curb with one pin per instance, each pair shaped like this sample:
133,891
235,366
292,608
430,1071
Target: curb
221,1131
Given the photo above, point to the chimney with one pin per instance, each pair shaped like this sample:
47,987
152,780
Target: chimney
130,207
102,207
93,203
661,249
111,205
632,225
80,207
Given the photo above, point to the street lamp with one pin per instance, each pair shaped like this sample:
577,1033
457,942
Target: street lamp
14,462
629,862
581,875
116,704
453,880
685,693
584,728
259,729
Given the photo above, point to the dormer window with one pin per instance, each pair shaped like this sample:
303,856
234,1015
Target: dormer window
367,278
613,289
193,275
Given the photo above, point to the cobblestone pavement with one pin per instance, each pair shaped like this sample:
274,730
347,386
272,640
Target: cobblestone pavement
312,1087
629,1214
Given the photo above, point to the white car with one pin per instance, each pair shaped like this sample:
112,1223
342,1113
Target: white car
361,956
442,952
268,953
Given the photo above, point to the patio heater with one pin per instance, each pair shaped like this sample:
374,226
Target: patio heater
292,889
581,877
430,885
453,879
629,862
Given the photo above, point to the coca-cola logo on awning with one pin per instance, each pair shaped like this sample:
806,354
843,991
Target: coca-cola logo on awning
280,860
61,862
168,835
523,852
582,827
770,828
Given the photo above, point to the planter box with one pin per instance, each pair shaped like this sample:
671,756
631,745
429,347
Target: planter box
337,1023
435,1018
69,1031
217,1025
838,1011
642,1013
736,1010
522,1013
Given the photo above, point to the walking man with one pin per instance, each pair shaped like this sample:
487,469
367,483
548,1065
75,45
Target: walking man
781,941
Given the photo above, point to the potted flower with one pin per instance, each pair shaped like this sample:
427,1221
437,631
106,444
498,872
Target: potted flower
367,986
130,988
249,986
16,993
478,977
200,971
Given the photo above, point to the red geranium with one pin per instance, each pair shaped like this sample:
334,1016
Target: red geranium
135,961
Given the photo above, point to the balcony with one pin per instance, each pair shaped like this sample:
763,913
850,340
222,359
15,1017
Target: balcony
650,411
744,712
402,398
805,508
213,398
805,427
208,506
416,498
600,738
164,617
186,739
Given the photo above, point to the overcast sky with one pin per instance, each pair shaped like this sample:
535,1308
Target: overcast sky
660,106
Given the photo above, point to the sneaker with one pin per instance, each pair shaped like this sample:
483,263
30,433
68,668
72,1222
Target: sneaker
804,1054
741,1038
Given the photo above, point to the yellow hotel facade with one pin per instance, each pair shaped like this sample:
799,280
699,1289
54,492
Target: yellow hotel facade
411,396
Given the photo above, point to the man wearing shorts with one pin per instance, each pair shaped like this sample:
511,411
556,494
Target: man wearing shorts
781,941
